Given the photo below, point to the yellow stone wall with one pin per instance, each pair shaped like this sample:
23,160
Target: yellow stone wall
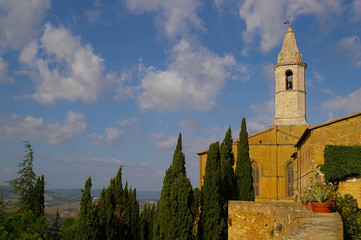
343,131
271,149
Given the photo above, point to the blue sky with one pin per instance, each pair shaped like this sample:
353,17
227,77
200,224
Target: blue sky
98,84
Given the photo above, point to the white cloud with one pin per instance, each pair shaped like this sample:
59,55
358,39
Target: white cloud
65,69
264,116
3,73
113,136
350,103
269,73
20,21
191,81
266,17
36,129
128,121
163,141
190,126
349,48
356,9
174,17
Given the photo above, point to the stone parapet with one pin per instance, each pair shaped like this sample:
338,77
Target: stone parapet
280,220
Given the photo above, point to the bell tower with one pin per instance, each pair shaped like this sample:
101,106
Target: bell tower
290,95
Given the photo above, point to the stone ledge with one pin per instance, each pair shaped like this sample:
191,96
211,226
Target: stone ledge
280,220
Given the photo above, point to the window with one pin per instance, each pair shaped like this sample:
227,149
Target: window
289,80
255,175
289,179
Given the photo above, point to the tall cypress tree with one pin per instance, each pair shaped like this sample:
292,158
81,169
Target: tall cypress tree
229,187
243,170
174,215
213,225
88,224
38,197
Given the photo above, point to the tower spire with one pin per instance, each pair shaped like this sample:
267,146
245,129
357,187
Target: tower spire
290,95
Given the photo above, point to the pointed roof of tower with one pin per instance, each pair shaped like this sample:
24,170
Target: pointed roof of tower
289,52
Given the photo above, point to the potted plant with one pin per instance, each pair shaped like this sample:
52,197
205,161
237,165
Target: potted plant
306,200
322,197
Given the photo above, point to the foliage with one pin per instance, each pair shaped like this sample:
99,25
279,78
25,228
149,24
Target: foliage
174,218
319,192
229,187
118,211
24,185
146,222
351,217
37,205
54,231
88,225
24,226
68,229
2,209
243,172
213,225
196,211
341,162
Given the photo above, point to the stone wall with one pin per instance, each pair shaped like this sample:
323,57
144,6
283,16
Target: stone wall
351,185
277,220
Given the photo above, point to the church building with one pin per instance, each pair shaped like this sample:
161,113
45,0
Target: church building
286,157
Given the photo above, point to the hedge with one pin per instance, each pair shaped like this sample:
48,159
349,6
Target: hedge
341,162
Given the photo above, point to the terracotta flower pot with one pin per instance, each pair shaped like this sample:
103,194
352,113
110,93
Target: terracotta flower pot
322,207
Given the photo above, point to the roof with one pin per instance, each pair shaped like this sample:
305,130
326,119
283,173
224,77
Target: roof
308,130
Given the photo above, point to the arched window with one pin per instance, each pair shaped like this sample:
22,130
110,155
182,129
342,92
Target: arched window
289,80
289,179
255,175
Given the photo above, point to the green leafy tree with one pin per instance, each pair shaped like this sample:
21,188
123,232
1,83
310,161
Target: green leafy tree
213,225
196,211
24,226
68,229
243,172
174,216
24,185
88,222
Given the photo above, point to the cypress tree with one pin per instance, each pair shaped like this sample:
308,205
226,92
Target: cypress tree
146,222
213,225
243,172
174,216
229,187
37,205
88,224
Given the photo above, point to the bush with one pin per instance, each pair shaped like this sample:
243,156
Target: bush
351,217
341,162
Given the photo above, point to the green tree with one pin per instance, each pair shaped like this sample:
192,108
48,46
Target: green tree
213,225
54,231
146,222
25,183
24,226
88,224
3,205
243,172
68,229
37,205
174,216
229,187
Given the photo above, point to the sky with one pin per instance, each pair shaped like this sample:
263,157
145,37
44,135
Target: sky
95,85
